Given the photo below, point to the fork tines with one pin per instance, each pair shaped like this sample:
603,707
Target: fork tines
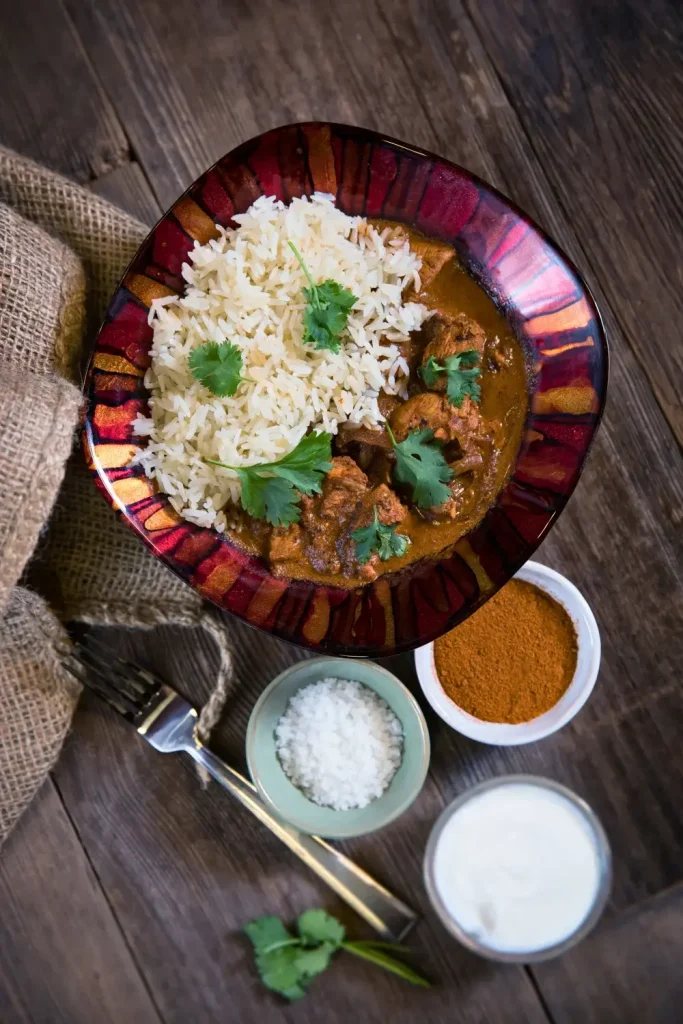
126,687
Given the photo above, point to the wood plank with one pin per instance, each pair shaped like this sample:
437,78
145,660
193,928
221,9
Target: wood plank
191,82
599,91
53,108
62,957
630,972
206,867
126,186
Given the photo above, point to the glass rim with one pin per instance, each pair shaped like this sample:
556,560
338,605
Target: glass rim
602,893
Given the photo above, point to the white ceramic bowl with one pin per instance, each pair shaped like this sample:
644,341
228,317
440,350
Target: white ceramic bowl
587,666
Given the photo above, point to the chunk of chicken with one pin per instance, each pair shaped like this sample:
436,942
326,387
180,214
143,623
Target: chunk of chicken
460,504
434,255
429,410
387,403
472,460
421,411
459,430
351,433
465,422
369,448
285,543
285,548
323,516
342,487
389,512
449,336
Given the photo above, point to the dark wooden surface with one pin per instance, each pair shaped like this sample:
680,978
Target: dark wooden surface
124,886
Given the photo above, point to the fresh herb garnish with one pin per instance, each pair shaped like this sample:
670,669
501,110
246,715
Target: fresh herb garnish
327,311
269,490
287,963
461,372
380,539
218,367
421,465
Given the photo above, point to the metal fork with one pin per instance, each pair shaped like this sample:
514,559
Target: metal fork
169,724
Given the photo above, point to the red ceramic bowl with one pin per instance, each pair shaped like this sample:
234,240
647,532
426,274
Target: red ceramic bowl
534,284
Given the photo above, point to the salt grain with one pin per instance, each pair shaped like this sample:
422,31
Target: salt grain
339,743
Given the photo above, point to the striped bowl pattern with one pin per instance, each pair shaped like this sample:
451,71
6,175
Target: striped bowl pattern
535,285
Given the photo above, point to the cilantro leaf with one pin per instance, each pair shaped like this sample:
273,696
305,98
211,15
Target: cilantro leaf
380,539
328,309
217,367
314,961
269,489
281,973
270,498
287,963
421,465
265,932
319,926
461,372
305,465
430,371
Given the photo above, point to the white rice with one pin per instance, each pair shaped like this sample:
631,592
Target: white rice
340,743
246,287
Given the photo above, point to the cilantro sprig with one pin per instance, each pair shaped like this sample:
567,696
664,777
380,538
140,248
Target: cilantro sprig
328,309
272,490
379,539
287,963
461,372
421,465
218,366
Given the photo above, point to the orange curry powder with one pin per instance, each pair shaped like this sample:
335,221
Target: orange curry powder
513,659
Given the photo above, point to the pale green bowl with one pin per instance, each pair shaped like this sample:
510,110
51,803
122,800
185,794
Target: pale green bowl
289,803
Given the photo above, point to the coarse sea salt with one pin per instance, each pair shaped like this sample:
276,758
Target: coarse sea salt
339,743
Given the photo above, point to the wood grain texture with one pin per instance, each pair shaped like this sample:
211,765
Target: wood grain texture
599,89
127,187
191,83
628,974
62,957
54,108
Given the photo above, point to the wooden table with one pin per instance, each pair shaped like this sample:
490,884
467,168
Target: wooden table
124,887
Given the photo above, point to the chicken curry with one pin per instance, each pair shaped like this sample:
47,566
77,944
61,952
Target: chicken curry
478,432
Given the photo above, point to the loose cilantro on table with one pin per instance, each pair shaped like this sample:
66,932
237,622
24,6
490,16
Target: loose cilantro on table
461,372
218,367
379,539
287,963
328,309
269,490
421,465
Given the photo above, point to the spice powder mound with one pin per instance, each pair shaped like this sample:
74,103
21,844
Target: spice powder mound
513,659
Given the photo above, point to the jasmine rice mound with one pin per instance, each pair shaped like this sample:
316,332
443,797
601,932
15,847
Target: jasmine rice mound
340,743
245,287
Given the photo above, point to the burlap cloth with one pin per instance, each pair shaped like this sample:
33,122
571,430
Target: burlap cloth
62,252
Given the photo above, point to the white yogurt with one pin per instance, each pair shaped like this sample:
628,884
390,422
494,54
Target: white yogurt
517,868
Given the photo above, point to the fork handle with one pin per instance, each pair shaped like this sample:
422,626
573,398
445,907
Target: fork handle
388,915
